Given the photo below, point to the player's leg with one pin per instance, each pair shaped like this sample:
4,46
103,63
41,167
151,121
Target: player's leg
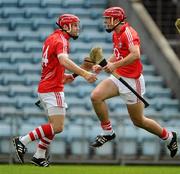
54,104
57,122
38,133
136,114
136,111
56,111
139,120
105,90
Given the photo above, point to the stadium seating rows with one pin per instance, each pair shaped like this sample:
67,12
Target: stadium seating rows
24,25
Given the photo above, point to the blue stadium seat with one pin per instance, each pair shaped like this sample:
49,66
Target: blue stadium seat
150,144
20,90
34,47
28,36
34,12
29,68
5,145
5,57
32,79
9,111
8,3
74,102
128,141
51,3
77,139
17,57
90,37
12,13
36,120
4,24
69,91
29,3
158,91
144,59
148,69
34,112
170,112
6,36
96,4
4,90
14,79
151,80
58,147
80,12
161,103
8,68
5,130
19,23
26,128
120,111
95,130
75,132
71,3
43,23
24,101
12,46
85,120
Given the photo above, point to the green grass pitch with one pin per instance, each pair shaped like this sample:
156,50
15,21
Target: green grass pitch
88,169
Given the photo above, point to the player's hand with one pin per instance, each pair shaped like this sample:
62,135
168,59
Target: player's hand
97,69
68,78
90,77
110,67
87,64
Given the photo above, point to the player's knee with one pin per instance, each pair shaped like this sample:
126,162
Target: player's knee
95,96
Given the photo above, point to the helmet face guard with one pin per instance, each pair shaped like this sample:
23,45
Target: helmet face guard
114,13
68,20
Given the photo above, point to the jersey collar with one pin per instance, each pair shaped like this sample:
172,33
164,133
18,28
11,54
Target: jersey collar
66,35
123,27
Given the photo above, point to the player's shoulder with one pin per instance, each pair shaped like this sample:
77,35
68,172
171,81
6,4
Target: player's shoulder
54,38
130,32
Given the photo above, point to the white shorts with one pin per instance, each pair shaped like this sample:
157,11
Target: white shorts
128,96
53,103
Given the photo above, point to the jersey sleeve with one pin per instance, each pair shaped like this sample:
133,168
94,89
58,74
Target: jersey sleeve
131,38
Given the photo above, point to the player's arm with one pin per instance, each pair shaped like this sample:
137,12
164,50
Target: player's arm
112,58
71,66
130,58
97,68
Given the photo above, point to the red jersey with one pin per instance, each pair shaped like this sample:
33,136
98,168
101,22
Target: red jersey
121,43
52,71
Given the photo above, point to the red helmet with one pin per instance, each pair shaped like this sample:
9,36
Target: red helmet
115,12
67,19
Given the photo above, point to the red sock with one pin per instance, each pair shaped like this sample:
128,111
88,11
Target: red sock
106,126
45,142
165,134
44,130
